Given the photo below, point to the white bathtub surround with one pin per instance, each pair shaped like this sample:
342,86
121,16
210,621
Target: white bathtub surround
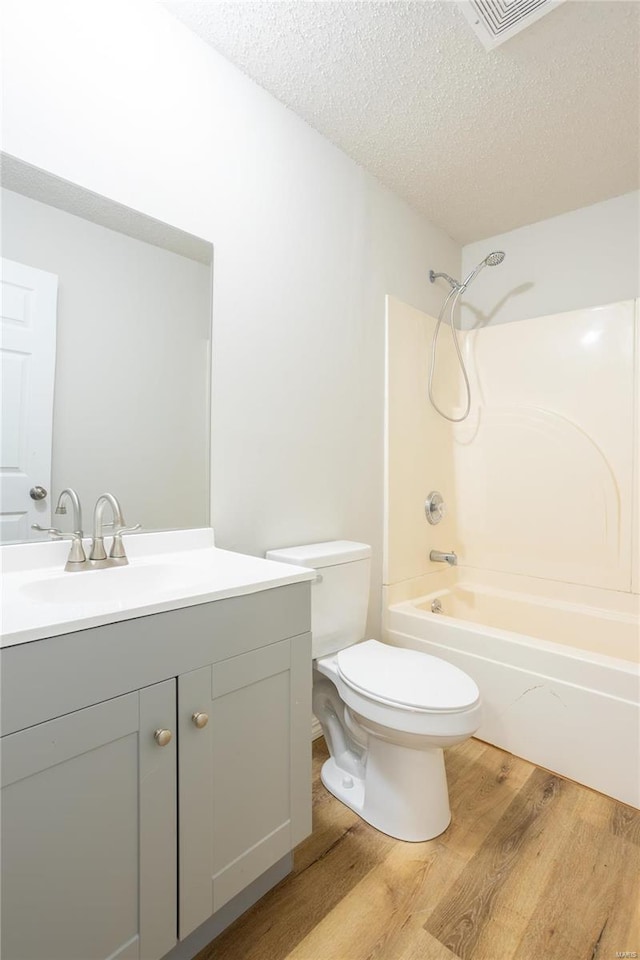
542,479
547,697
541,487
418,443
544,468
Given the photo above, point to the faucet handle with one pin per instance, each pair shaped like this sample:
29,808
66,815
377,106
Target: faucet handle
117,551
52,531
76,554
58,534
118,529
136,526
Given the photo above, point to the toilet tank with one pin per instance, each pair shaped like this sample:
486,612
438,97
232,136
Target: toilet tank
339,595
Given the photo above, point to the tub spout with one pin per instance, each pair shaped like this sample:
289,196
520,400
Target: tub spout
439,557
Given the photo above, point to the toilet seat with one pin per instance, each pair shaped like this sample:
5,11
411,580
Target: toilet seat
406,679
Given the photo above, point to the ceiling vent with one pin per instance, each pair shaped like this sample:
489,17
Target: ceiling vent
495,21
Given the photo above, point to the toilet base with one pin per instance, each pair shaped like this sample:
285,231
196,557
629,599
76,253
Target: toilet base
403,792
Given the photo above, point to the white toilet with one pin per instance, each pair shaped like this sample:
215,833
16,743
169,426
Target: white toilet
386,712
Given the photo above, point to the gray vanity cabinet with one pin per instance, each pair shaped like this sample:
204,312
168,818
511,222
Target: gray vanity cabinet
244,799
89,833
115,846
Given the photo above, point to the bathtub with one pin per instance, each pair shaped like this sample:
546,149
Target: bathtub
557,667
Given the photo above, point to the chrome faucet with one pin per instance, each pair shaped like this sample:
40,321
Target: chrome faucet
77,559
439,557
117,555
77,509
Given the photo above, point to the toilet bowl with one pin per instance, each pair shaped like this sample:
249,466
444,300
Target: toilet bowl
397,709
386,712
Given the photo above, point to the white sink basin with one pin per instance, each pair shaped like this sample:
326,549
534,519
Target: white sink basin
165,571
117,585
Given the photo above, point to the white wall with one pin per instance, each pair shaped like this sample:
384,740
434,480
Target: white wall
132,319
120,98
585,258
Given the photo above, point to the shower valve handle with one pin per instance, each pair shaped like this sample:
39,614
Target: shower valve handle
434,507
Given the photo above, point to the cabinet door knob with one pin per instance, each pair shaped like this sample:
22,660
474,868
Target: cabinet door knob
162,737
200,720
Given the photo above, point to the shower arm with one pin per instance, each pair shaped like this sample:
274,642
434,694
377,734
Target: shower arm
445,276
491,260
455,284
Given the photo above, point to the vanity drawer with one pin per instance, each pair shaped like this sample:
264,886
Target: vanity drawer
48,678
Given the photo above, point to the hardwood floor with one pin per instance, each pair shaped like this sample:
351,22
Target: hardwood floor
532,866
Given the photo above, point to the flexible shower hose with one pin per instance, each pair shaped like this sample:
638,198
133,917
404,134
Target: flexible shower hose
453,296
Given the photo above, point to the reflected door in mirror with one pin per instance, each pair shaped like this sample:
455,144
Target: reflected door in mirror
28,356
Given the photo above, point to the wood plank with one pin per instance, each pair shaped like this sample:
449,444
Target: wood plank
458,760
364,922
610,815
625,822
622,930
588,894
331,819
289,912
459,919
412,942
525,854
420,873
485,787
517,899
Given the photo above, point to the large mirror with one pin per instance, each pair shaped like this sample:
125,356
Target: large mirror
106,349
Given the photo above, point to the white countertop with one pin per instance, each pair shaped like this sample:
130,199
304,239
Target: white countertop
166,571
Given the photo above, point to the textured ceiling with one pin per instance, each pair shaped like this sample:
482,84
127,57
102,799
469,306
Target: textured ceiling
480,142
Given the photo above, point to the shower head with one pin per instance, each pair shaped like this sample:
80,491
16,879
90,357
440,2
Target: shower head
491,260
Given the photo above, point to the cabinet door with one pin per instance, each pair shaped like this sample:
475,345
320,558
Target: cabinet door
245,778
89,833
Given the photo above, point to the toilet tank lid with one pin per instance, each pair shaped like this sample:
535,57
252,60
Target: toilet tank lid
327,554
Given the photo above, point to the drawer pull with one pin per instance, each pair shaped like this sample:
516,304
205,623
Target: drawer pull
162,737
200,720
